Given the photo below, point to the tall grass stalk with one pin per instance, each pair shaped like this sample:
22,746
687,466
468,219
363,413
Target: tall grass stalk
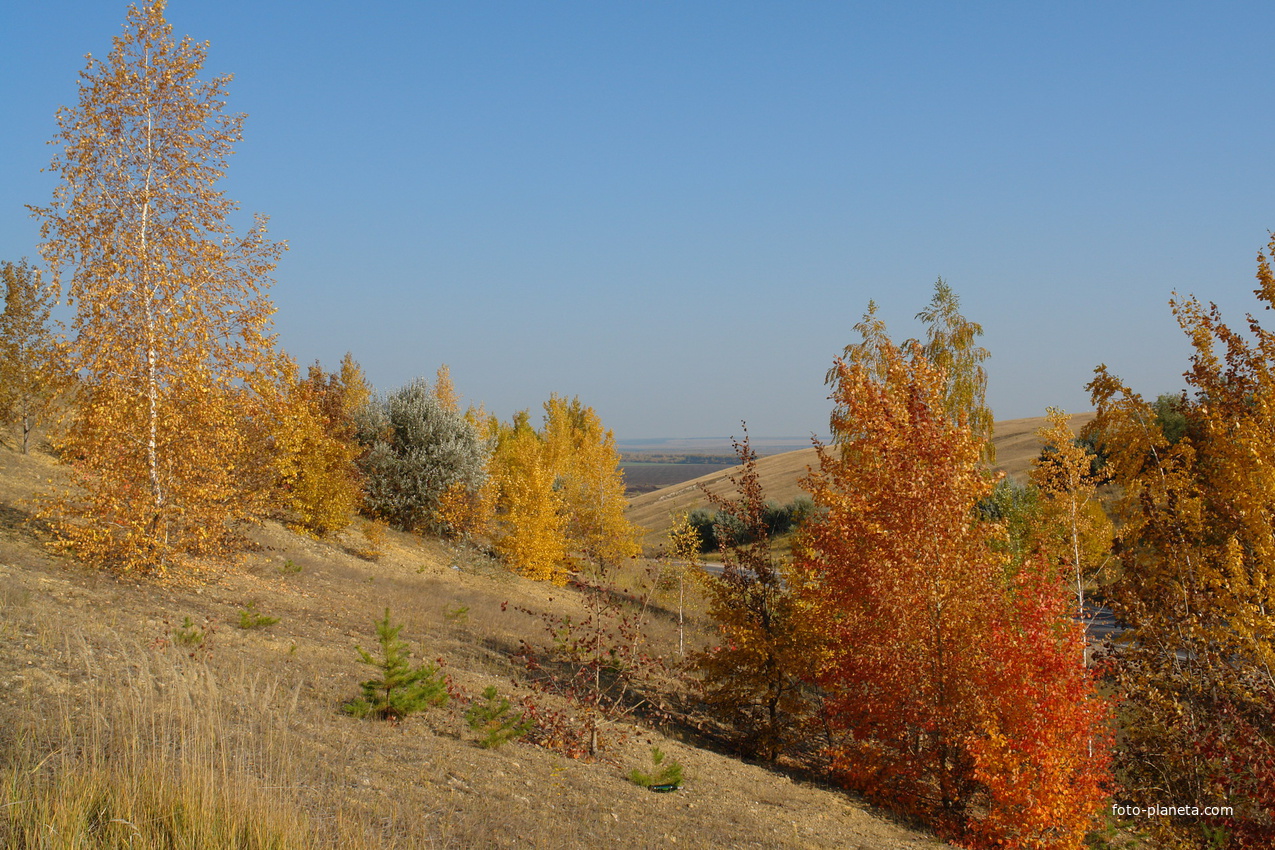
162,755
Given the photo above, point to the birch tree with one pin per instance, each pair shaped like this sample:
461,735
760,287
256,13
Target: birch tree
1076,531
950,346
1196,586
172,330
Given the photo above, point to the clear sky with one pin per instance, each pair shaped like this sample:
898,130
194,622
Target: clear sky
678,210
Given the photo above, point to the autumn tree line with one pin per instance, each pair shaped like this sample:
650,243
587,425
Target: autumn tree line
316,450
180,419
924,642
929,627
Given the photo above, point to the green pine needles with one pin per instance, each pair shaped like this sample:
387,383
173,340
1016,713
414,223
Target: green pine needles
663,776
492,719
400,689
251,618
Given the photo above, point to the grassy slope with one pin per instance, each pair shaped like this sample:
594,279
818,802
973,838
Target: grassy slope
1016,445
94,684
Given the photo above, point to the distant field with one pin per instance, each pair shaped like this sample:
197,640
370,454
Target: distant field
644,477
655,510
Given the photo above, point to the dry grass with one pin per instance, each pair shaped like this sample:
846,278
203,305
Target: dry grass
164,756
115,733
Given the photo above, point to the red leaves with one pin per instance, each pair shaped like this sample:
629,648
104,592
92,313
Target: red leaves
955,693
597,664
1045,759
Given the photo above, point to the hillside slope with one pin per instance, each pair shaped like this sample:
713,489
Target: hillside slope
1015,440
100,673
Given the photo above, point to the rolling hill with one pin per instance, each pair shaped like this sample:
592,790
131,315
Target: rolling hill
130,704
1015,440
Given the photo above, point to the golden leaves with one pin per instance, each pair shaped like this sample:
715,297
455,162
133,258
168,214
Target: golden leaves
590,480
445,390
1197,551
528,528
314,448
556,492
171,333
1074,529
31,373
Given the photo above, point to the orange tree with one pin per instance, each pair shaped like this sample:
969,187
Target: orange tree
953,689
172,330
1197,582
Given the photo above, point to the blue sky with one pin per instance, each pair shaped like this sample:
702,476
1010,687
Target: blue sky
677,211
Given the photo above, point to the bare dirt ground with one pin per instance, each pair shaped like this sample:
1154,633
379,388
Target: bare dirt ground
74,642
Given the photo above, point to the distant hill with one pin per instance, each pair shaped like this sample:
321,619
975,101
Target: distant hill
711,445
1015,440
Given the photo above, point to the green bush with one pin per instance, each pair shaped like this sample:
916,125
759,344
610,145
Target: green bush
715,526
1170,414
188,634
703,523
250,618
1017,507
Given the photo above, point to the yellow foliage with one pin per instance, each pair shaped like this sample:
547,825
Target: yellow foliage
115,516
1197,584
591,483
172,331
30,374
551,493
528,527
684,541
466,513
374,538
1076,532
314,460
445,390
